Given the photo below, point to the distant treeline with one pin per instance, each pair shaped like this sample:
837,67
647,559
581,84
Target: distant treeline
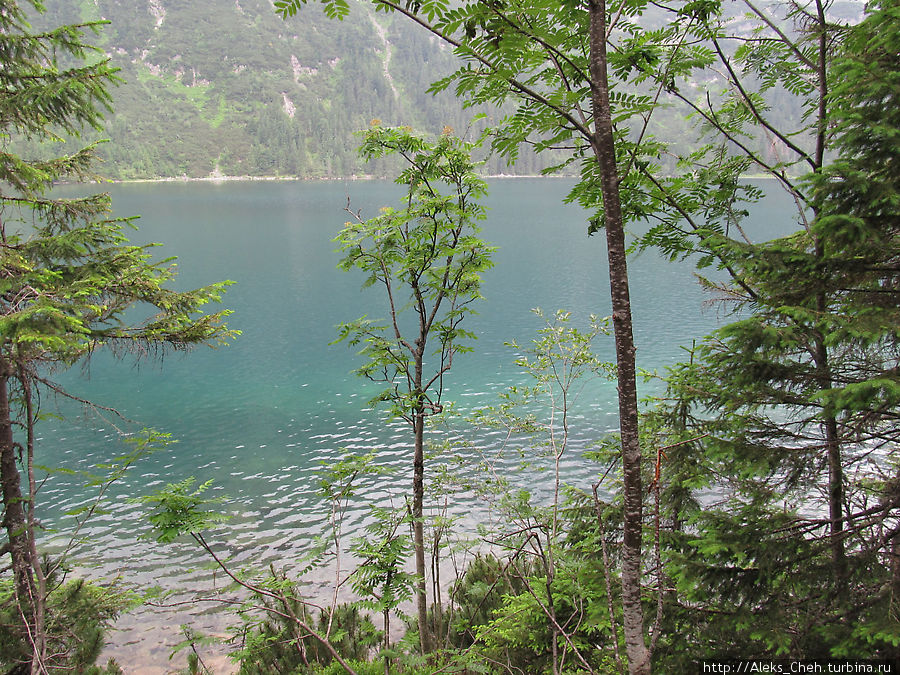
228,87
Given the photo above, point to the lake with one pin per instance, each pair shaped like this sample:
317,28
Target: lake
259,416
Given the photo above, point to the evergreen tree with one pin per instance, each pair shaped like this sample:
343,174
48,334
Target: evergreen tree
551,57
67,282
797,402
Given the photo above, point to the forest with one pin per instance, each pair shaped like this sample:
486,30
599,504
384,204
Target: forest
747,520
231,89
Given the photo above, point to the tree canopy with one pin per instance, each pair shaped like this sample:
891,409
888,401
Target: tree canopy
428,259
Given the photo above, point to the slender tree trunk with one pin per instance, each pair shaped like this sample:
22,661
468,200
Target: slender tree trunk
419,528
836,503
14,519
835,473
822,74
603,144
39,580
895,577
438,635
832,436
551,612
387,641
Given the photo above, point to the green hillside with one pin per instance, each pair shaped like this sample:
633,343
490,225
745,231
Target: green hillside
226,86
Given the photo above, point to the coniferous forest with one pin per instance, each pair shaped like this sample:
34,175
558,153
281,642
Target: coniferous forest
747,519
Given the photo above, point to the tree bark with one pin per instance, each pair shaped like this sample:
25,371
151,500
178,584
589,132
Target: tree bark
419,528
835,471
603,145
39,580
836,503
14,518
387,641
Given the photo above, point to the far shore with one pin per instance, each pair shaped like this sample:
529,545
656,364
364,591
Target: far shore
225,179
216,178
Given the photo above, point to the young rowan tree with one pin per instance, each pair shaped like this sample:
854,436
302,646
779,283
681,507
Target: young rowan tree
428,260
552,59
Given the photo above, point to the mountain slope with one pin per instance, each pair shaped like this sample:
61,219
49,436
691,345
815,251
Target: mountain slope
226,86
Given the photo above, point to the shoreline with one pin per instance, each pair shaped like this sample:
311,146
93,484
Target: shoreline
245,178
216,179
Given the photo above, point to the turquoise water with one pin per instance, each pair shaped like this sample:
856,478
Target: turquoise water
260,415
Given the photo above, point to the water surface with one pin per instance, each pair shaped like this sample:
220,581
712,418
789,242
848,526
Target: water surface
259,416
